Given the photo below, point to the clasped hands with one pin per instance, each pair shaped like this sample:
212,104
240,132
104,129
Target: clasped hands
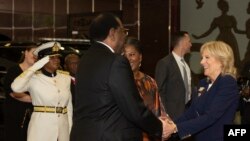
168,126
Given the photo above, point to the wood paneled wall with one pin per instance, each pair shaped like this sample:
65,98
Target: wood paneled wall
32,19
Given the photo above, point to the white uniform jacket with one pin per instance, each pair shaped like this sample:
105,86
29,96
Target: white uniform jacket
47,91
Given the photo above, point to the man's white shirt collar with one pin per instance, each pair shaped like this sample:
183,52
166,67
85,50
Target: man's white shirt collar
176,56
110,48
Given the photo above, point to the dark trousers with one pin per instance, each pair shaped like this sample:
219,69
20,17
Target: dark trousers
245,112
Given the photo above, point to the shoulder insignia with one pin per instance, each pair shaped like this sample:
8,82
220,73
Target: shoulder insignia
63,72
38,72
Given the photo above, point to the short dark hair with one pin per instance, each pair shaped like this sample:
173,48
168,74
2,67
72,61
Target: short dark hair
176,37
100,26
134,42
69,56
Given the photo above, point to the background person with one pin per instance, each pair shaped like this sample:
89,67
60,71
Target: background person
244,84
146,85
17,107
170,72
71,62
49,89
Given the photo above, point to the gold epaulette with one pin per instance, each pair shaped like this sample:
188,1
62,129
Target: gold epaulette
38,72
63,72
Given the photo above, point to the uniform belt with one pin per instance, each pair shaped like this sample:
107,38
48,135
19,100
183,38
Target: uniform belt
50,109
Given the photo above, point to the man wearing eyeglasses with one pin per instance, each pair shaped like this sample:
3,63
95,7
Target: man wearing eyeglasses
108,106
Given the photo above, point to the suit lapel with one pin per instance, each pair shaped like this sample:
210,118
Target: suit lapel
176,67
214,84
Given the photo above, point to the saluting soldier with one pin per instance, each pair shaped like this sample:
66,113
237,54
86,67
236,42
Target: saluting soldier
49,89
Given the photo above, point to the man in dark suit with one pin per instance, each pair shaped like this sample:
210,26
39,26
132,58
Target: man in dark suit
108,106
174,87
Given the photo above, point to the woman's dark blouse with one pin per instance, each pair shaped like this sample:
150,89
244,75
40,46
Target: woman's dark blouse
14,110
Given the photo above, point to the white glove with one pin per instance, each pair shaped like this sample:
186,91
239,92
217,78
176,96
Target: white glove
39,64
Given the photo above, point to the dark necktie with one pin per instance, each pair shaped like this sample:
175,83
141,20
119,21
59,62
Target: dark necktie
185,79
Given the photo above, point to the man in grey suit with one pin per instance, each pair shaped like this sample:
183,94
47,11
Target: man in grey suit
173,76
108,106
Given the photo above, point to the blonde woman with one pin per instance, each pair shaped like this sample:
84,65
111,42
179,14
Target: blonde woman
218,96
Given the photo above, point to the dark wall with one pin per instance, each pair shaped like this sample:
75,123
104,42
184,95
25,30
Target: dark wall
154,33
42,19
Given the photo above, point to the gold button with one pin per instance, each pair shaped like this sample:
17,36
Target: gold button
58,115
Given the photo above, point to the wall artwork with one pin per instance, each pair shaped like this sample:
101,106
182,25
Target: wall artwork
225,20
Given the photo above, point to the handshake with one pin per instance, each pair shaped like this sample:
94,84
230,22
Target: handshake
168,126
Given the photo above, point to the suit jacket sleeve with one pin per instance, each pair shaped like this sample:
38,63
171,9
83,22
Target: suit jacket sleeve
190,113
127,97
225,94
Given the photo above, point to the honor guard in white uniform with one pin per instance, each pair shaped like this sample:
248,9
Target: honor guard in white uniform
49,89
